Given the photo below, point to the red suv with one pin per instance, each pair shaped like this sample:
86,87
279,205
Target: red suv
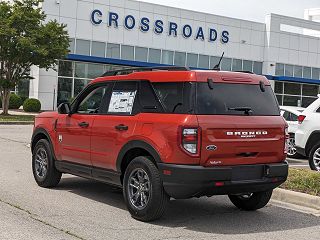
168,132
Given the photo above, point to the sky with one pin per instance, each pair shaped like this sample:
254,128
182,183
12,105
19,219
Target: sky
254,10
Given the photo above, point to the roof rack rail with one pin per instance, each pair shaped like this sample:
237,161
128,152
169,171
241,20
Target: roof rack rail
144,69
245,72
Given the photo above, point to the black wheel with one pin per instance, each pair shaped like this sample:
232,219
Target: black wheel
143,190
251,201
314,157
44,171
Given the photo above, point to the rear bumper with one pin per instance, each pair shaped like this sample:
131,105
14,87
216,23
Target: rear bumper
182,181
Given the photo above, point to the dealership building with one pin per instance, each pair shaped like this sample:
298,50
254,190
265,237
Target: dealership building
115,34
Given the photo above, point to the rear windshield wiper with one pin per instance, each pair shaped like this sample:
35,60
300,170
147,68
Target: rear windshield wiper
246,110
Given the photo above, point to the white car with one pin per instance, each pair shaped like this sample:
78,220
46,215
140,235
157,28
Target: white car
307,137
290,114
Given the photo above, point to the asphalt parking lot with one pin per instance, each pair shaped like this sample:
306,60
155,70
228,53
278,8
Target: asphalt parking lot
84,209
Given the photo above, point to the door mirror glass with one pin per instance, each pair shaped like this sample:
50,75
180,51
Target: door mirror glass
64,108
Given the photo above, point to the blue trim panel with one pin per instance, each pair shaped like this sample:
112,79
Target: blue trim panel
92,59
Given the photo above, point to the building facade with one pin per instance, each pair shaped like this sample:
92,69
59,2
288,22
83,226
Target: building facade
113,34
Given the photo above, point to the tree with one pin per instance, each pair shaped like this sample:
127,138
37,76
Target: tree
25,41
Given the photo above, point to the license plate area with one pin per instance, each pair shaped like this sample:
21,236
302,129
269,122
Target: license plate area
247,173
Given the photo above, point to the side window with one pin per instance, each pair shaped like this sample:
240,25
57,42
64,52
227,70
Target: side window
318,110
286,116
175,97
92,102
294,117
148,100
123,98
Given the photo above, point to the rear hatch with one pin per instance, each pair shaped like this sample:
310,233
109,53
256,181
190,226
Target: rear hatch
240,124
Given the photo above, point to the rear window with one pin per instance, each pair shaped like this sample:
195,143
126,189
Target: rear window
235,99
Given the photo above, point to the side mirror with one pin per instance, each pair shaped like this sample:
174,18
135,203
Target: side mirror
64,108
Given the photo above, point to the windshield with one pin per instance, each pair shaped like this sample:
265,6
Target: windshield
236,99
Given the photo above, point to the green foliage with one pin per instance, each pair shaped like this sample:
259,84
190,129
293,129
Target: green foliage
303,180
32,105
15,101
26,39
23,98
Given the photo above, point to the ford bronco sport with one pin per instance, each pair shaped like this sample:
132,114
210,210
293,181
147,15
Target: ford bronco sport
168,132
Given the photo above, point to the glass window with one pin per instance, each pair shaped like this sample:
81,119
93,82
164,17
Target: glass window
83,47
247,65
315,73
180,59
141,54
217,101
127,52
214,61
175,97
307,72
98,49
291,101
279,69
286,116
65,68
203,61
95,70
167,57
64,90
91,103
113,50
79,85
288,70
192,60
310,90
71,45
23,88
279,98
298,71
292,88
278,87
148,99
257,67
237,65
154,55
306,101
81,70
226,64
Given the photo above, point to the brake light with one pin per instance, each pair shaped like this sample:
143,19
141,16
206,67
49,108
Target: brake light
287,136
190,140
301,118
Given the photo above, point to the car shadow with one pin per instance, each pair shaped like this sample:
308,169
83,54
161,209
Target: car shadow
207,215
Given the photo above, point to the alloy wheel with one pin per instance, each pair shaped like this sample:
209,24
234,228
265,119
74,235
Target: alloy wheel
316,159
41,163
291,147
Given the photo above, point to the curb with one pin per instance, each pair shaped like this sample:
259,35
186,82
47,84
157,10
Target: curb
17,123
297,198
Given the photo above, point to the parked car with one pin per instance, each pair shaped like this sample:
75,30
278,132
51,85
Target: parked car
290,114
307,136
168,132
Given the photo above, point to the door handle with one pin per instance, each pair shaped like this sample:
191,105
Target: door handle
121,127
84,124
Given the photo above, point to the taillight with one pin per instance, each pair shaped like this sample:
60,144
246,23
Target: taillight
190,140
301,118
287,140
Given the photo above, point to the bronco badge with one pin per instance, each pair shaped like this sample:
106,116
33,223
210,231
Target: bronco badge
211,147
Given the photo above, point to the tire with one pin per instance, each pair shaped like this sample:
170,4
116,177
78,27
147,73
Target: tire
292,152
314,157
43,168
251,202
142,204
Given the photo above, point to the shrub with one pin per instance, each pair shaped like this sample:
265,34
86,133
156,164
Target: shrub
15,101
23,98
32,105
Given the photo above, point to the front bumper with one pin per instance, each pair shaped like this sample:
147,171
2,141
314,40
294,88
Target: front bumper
183,181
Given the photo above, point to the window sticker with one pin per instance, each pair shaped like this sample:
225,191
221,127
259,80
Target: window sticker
122,102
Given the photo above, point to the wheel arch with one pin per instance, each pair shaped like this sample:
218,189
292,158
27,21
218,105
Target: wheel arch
38,134
133,149
313,139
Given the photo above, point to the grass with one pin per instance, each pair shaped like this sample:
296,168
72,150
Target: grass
16,118
303,180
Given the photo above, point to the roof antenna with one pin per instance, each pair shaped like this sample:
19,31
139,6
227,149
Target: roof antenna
217,67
